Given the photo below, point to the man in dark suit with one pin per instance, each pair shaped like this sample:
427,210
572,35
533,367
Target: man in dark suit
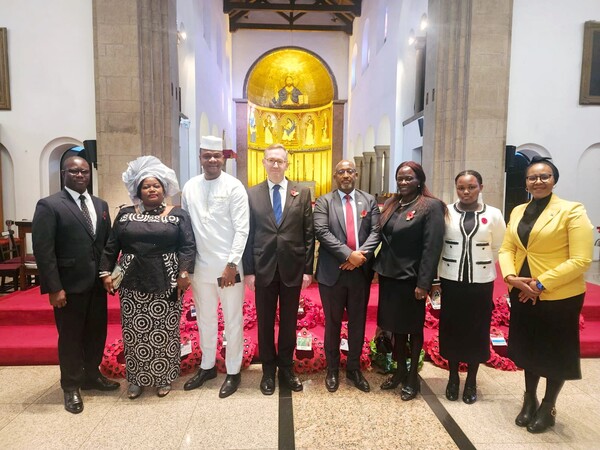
347,226
69,231
278,263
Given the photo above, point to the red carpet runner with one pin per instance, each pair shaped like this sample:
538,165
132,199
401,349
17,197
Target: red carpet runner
28,335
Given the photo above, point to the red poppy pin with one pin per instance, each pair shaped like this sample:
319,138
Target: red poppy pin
294,193
411,215
483,220
104,215
363,214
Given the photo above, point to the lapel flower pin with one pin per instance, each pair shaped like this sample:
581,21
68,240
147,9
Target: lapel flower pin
483,220
294,193
411,215
104,214
363,214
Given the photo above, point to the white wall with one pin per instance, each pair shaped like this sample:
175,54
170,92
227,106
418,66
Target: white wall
51,63
543,106
386,88
205,86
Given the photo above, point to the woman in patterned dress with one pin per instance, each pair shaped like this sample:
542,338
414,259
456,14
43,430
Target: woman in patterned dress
158,250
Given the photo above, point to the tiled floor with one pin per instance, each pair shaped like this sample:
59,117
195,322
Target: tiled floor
32,415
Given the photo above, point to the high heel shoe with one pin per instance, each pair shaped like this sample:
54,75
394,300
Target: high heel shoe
452,390
394,380
545,417
530,406
134,391
410,391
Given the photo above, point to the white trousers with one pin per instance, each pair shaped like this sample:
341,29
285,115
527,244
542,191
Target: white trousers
207,302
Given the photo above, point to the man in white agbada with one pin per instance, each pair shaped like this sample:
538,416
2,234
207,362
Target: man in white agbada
218,206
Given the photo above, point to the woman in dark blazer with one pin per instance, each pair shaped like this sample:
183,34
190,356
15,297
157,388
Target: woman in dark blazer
412,232
546,250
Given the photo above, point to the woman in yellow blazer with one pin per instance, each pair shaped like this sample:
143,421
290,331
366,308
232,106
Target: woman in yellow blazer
546,250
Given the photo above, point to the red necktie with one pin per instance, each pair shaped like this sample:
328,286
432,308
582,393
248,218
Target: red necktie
350,236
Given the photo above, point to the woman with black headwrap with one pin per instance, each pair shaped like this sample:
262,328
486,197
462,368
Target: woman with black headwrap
546,250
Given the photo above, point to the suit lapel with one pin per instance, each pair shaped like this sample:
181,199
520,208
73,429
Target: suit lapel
545,218
289,200
76,211
265,205
338,211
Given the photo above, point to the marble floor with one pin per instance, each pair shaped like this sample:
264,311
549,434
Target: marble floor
32,415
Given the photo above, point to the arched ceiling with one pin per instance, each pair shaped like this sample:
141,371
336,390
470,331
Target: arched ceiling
308,73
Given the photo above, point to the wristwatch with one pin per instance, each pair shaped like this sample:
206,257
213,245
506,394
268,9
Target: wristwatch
232,265
539,285
183,275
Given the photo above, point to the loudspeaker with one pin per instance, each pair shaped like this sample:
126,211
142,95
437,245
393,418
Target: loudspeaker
90,152
510,157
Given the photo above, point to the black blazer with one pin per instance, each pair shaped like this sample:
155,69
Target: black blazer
330,230
289,247
66,252
412,245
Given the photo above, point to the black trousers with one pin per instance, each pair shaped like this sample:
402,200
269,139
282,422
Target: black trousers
81,328
351,294
266,308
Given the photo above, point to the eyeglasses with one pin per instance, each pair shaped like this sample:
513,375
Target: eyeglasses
343,171
273,161
544,177
83,172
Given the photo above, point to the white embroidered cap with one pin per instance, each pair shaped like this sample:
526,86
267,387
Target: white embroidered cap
211,143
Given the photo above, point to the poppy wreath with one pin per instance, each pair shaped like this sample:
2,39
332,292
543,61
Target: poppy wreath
310,361
192,360
247,355
497,361
365,359
501,312
249,315
113,360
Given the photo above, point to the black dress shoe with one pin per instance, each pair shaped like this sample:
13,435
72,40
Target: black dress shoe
101,384
356,377
470,395
332,380
230,385
290,379
267,384
200,378
73,402
410,391
452,391
530,406
395,380
545,417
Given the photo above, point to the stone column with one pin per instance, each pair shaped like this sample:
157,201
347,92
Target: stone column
136,73
359,163
466,94
371,184
241,139
381,172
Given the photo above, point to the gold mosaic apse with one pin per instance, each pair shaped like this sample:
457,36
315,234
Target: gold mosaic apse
290,101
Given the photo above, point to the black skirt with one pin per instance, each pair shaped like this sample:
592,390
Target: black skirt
465,320
544,338
399,311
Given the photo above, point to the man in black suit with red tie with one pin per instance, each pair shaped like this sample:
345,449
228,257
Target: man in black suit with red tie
278,263
347,227
69,231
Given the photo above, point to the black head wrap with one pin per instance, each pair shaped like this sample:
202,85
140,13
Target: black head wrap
537,159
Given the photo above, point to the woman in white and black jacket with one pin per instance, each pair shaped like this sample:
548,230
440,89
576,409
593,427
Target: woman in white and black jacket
474,233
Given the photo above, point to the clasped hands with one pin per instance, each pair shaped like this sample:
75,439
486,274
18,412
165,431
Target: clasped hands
356,259
527,287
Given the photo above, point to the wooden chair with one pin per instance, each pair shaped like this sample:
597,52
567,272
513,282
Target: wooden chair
10,266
